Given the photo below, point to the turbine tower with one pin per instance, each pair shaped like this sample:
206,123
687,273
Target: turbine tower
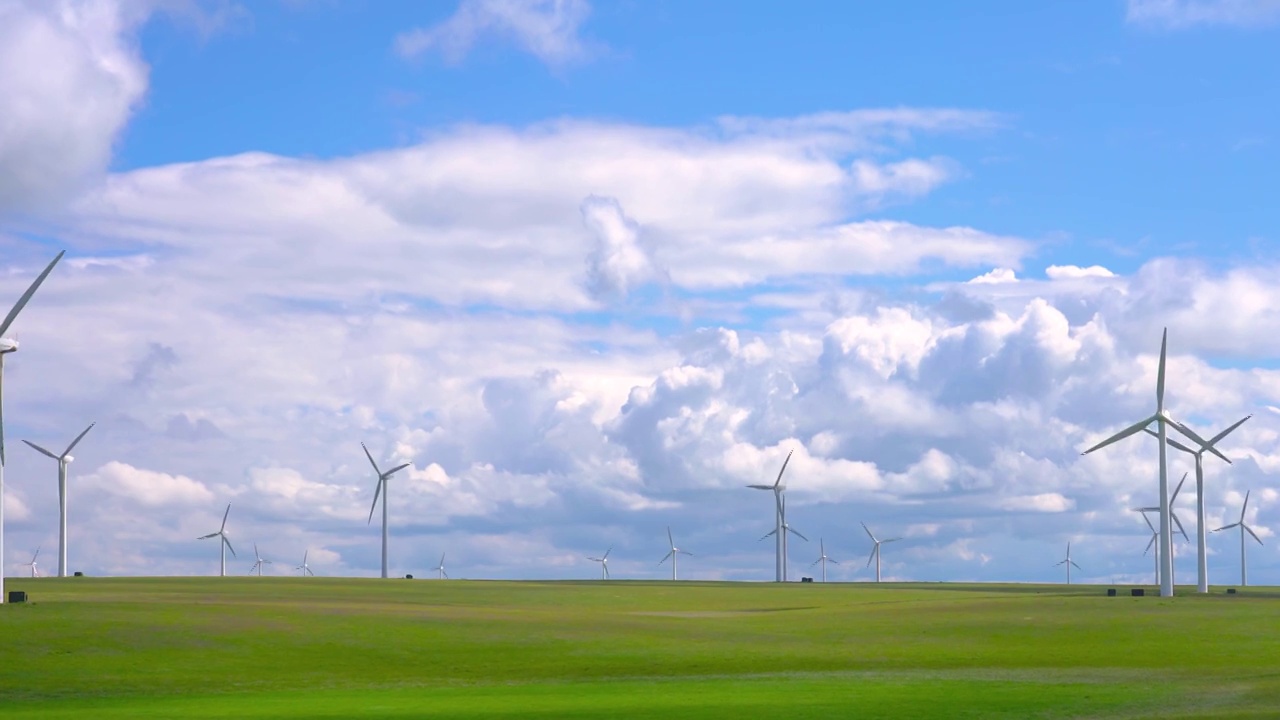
674,554
32,564
785,529
381,487
875,551
1244,528
1071,563
604,563
63,461
1202,560
305,569
822,558
780,541
440,569
260,561
1162,420
8,345
1173,515
224,545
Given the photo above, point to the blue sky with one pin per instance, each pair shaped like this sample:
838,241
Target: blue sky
591,267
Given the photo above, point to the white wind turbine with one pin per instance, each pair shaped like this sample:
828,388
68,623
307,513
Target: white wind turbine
224,545
304,569
1155,535
604,563
1070,563
780,541
63,461
1173,515
9,345
822,558
32,564
259,560
785,529
381,488
674,554
875,551
440,569
1162,420
1202,559
1244,528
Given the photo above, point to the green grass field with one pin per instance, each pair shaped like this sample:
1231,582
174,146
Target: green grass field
334,648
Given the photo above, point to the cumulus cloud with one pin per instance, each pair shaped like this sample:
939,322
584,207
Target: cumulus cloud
547,29
1071,272
148,488
618,262
998,275
1180,14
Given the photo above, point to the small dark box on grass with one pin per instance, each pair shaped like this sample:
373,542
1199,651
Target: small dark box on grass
17,596
1111,592
79,574
1138,592
1231,591
806,579
408,577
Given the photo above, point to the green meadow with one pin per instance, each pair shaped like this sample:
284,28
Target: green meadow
339,648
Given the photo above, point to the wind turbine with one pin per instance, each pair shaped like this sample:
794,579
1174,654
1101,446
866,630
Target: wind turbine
440,569
224,545
1071,563
257,565
674,554
1162,420
1155,535
779,561
1173,515
8,345
785,529
822,558
32,564
604,563
304,568
1244,528
875,551
63,461
1202,560
381,487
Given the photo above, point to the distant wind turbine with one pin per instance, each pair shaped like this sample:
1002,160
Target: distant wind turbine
9,345
259,561
785,529
822,558
1173,515
304,569
63,461
440,569
381,487
1071,563
224,545
604,563
1155,535
875,551
780,541
1202,558
32,564
674,554
1244,528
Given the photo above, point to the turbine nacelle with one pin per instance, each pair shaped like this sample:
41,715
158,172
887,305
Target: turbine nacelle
8,345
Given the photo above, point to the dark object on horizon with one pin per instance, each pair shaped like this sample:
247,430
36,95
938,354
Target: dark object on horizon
1138,592
17,596
1231,591
1111,592
806,579
79,574
408,577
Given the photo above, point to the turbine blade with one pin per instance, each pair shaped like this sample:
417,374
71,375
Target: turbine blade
1149,544
1227,527
784,468
815,562
397,469
377,490
685,552
761,487
1073,564
833,561
371,462
1251,532
40,450
26,296
1169,440
794,531
1134,428
890,540
771,532
1153,527
664,557
1178,489
224,518
670,539
1164,344
1198,440
79,437
442,560
228,542
872,556
210,535
864,527
606,553
1060,562
1246,505
1214,440
1178,522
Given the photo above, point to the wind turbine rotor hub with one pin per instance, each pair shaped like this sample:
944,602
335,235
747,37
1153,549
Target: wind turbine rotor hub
8,345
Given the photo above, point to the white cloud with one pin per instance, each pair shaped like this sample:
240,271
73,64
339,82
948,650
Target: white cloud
1044,502
1180,14
1072,272
998,275
148,488
547,29
619,262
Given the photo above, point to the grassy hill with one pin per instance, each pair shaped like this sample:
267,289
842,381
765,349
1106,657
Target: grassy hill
322,647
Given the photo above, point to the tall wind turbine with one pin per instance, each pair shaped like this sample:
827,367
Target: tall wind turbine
875,551
1202,560
780,541
1070,563
224,545
32,564
304,569
259,561
822,558
604,563
1173,515
785,529
1244,528
440,569
674,554
8,345
381,487
1162,420
63,461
